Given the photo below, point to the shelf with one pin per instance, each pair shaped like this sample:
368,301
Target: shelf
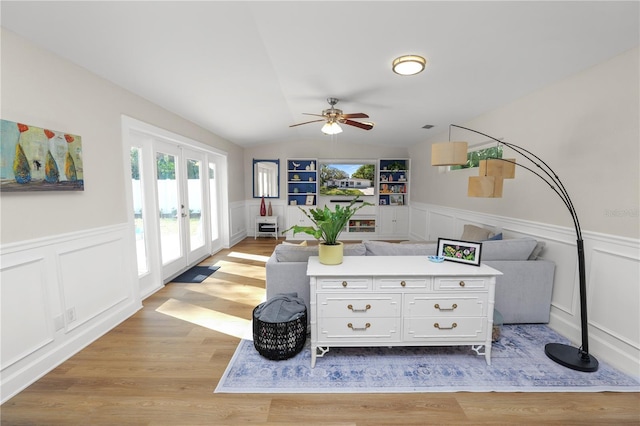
302,180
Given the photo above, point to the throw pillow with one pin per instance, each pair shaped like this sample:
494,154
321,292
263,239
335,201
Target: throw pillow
475,233
509,249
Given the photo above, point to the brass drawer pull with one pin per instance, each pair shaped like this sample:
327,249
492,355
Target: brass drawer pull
461,283
366,308
344,283
437,306
367,325
403,283
454,325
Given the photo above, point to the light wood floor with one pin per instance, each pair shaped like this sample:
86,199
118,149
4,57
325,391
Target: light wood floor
160,367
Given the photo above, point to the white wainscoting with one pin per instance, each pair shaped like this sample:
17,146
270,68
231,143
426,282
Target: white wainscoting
58,295
237,222
613,277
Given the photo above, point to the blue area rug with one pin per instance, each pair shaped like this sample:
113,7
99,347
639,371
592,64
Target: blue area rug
518,364
197,274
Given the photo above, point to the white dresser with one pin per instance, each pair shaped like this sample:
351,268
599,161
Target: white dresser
400,301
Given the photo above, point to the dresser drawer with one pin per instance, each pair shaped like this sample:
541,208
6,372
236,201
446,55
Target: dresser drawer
357,330
355,306
351,283
445,329
446,305
461,283
401,283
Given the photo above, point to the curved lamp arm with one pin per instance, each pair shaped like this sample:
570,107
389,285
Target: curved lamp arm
566,355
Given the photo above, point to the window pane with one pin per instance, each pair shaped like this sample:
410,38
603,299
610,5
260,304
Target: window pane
169,208
136,184
194,186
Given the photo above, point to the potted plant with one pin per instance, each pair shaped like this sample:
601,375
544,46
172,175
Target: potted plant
328,226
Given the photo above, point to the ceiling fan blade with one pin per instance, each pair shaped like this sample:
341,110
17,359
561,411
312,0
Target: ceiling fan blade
355,115
306,122
316,115
365,126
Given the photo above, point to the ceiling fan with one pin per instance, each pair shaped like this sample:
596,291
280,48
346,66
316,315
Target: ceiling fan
333,116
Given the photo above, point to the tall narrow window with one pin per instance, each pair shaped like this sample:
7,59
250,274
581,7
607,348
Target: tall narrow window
136,184
194,194
169,207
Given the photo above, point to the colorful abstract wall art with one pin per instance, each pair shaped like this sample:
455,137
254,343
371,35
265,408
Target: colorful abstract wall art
37,159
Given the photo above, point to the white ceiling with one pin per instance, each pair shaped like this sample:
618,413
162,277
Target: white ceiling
248,70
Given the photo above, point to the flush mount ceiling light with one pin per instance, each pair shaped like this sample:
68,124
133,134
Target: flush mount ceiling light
331,128
409,64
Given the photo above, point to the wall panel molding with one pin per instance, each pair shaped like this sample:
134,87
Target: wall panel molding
59,294
613,278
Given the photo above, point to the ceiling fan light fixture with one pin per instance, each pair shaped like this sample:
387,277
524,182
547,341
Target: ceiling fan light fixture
409,64
331,128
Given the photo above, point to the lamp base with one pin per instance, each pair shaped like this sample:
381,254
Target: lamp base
571,357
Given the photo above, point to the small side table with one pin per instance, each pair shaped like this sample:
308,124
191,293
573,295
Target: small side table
266,225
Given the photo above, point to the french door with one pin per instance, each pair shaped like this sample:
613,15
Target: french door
180,186
178,195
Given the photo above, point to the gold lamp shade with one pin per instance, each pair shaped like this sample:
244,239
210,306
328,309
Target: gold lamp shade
485,186
449,154
505,169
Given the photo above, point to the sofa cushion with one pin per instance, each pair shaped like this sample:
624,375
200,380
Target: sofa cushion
295,253
382,248
509,249
302,244
476,233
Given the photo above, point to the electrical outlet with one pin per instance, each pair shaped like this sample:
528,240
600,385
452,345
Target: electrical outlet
71,314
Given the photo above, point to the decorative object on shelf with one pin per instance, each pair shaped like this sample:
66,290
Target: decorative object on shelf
312,166
491,186
263,207
295,165
310,200
269,210
396,200
460,251
436,259
328,226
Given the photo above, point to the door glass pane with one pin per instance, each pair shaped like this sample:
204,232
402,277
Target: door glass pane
214,202
136,184
194,193
169,207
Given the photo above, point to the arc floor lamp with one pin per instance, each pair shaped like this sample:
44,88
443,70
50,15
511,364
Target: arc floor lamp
489,184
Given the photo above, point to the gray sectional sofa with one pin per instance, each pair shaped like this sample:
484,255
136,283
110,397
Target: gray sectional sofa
523,292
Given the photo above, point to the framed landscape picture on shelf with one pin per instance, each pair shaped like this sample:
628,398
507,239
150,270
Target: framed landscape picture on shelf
396,199
460,251
309,200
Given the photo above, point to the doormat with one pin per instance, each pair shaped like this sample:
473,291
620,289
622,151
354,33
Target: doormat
518,364
197,274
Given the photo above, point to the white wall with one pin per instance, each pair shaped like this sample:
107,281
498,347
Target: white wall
585,127
44,90
60,289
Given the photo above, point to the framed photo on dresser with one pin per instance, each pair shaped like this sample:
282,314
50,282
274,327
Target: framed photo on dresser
468,252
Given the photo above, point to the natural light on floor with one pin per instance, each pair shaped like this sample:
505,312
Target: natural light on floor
237,293
213,320
249,256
